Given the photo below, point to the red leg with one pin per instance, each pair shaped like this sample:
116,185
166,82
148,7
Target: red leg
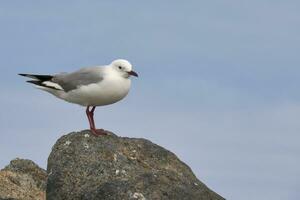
90,115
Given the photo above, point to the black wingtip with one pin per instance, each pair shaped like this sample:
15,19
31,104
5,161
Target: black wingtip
38,77
35,82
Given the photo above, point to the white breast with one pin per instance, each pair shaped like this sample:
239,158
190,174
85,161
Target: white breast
108,91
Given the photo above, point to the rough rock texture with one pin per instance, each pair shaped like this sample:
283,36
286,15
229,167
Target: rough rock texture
23,180
82,166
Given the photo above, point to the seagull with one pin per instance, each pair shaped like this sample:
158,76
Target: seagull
89,86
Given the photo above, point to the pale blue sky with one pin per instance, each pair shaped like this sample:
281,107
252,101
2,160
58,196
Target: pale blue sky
218,83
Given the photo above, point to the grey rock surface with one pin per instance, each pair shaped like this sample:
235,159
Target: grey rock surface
22,180
109,167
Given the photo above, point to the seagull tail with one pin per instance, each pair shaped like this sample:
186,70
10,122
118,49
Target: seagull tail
42,81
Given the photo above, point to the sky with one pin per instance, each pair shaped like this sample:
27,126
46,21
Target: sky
218,84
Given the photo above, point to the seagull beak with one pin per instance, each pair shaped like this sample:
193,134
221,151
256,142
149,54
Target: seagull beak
133,73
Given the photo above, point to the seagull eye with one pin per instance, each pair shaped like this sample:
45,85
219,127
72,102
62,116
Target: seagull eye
120,67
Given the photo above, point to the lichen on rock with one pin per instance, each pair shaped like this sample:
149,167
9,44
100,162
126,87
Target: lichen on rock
111,168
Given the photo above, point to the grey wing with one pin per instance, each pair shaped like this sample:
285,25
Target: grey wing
85,76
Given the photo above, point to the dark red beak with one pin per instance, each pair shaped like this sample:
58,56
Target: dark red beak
133,73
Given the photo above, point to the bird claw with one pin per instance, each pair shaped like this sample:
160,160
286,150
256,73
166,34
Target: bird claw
98,132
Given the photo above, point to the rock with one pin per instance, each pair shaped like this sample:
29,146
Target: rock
109,167
23,180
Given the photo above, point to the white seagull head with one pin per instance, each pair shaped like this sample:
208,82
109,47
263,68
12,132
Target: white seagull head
123,67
